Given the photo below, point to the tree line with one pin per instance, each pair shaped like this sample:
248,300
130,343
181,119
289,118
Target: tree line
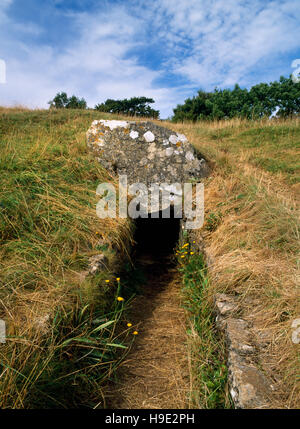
135,106
262,100
62,101
281,97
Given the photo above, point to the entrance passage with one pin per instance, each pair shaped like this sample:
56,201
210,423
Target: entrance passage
156,236
155,373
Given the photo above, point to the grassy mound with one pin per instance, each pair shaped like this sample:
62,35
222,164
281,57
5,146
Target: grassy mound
66,331
251,232
60,323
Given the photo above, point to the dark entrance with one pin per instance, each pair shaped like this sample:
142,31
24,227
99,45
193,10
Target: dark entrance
156,237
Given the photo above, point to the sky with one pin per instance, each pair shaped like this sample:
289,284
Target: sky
163,49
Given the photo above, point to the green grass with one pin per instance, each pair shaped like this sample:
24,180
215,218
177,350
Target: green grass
207,352
290,166
48,231
272,146
83,352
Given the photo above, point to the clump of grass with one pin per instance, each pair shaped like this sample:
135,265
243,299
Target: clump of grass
82,351
213,220
208,371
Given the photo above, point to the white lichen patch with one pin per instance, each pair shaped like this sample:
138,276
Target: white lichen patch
169,151
134,134
173,139
100,142
149,137
182,138
189,156
114,124
93,131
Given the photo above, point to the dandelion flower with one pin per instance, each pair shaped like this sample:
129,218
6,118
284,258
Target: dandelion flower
192,253
106,281
182,256
129,325
120,298
118,279
135,332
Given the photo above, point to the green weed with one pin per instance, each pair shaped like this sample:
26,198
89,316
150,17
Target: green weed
209,371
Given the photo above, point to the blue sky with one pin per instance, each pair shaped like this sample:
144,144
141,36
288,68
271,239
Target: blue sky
164,49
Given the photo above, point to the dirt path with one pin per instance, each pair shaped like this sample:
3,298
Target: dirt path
156,371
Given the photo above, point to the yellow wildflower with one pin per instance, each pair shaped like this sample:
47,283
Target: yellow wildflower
120,298
129,325
106,281
135,332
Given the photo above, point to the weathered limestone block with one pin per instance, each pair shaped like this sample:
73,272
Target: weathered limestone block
248,385
97,263
225,304
145,152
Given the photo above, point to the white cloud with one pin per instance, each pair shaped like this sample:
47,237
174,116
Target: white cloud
227,39
94,66
5,3
207,43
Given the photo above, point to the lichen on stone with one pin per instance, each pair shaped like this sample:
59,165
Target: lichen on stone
145,152
134,134
149,137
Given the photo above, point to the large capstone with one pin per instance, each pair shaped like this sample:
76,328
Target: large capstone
145,152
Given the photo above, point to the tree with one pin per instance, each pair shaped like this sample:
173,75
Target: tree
76,103
286,95
260,101
61,101
135,106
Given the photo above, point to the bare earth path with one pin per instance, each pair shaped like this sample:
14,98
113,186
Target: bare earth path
155,374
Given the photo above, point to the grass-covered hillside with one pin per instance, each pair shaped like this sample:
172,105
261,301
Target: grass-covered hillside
251,233
48,230
66,331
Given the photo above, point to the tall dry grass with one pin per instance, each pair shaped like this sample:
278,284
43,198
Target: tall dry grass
251,233
48,231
